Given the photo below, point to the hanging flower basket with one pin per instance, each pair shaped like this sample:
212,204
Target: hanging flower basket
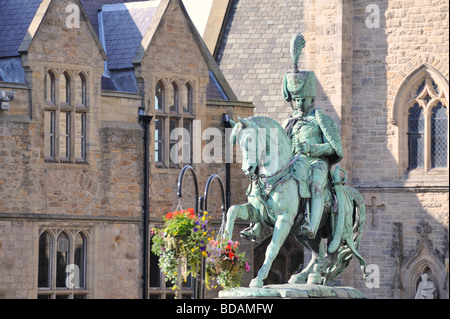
232,267
225,264
182,241
185,240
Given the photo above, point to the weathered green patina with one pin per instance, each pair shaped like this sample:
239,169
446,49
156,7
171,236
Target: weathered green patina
292,189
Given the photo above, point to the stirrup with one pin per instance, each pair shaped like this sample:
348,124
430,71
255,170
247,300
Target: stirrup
249,234
308,231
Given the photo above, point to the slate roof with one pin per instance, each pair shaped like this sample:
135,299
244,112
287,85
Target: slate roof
91,7
125,22
15,18
108,84
124,27
213,90
253,52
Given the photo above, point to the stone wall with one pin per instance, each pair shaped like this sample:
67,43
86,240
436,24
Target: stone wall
254,51
410,35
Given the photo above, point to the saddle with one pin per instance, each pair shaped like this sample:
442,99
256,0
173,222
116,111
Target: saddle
301,172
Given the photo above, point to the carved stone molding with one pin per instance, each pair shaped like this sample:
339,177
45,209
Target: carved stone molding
424,258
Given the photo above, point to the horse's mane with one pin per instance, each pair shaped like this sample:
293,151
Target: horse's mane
257,121
264,121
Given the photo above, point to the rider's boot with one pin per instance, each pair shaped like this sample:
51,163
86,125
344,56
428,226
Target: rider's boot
252,233
311,227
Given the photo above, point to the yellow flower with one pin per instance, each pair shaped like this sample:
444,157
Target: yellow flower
192,249
206,213
204,233
204,254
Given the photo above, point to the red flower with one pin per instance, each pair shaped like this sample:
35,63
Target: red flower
169,215
231,255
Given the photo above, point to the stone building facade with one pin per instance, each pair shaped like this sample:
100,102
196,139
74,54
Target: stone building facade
376,63
71,141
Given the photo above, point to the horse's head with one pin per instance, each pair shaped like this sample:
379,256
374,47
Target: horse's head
263,143
250,140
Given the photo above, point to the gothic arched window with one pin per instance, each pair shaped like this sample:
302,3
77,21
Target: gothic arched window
62,264
427,126
174,115
65,117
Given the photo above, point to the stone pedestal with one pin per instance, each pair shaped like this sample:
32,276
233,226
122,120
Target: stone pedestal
293,291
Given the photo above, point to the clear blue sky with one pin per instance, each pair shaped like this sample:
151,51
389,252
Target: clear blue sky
198,11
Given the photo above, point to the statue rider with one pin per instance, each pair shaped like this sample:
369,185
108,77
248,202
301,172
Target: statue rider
313,134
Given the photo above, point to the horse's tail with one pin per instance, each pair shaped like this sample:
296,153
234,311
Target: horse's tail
351,235
357,223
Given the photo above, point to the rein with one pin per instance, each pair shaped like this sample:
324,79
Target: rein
265,178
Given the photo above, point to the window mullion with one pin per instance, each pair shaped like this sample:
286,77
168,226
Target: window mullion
57,133
71,261
71,138
427,139
167,142
53,264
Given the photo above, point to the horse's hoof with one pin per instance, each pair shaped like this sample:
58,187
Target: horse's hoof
314,279
298,279
256,283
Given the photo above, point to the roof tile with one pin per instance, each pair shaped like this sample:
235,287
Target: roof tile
15,17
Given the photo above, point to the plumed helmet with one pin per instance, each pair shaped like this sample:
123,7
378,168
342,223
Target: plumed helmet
299,84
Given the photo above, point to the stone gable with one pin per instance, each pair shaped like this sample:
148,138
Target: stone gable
54,41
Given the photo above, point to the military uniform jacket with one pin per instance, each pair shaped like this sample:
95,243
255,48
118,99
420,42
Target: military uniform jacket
320,132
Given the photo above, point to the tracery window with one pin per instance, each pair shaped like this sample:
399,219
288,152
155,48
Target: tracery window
427,127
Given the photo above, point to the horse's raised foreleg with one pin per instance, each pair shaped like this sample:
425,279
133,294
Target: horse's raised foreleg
281,230
245,212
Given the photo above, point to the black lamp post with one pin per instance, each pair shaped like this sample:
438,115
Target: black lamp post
145,120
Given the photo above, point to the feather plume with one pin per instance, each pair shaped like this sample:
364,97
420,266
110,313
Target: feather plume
296,47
